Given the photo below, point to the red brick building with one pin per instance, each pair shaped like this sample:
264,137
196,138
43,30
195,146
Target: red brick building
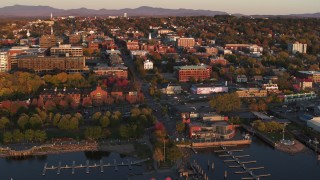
186,73
219,60
98,95
133,45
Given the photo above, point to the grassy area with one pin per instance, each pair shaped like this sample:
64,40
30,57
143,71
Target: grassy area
277,136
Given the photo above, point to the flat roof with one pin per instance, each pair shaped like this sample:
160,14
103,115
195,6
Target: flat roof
192,67
310,72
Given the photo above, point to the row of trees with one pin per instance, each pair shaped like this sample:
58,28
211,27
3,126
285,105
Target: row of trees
226,102
271,126
29,135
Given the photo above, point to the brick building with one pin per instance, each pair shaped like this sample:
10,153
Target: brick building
48,41
51,63
66,50
118,72
185,42
185,73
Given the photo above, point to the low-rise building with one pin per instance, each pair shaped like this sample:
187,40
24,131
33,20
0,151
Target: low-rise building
116,72
252,92
313,75
138,53
171,89
211,130
270,87
297,47
66,50
207,89
241,79
299,97
4,61
147,65
187,73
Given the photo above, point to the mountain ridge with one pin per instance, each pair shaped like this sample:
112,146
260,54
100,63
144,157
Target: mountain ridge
42,11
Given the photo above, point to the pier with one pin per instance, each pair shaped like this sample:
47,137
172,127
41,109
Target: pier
89,166
241,164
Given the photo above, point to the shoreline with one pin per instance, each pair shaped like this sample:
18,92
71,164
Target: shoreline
127,149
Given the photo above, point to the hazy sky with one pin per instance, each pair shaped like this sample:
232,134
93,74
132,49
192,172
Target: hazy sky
230,6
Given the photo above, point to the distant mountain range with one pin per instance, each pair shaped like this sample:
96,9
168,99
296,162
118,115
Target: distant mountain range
45,11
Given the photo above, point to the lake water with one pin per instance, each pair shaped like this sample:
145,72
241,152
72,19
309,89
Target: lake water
281,166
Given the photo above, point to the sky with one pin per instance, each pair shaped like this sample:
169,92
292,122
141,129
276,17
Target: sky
248,7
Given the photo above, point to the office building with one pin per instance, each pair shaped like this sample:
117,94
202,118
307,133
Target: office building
51,63
187,73
297,47
48,41
67,50
185,42
4,61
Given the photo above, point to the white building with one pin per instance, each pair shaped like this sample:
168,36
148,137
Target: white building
270,87
242,78
148,64
4,65
314,123
297,47
207,89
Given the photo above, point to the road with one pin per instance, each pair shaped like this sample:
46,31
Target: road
149,100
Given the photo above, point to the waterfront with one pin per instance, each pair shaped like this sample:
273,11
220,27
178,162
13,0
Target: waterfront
280,165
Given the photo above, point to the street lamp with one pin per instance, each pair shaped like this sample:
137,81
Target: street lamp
284,125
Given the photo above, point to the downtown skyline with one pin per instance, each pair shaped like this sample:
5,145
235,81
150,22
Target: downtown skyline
246,7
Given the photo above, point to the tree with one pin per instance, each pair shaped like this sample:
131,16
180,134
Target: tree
29,135
180,126
96,116
93,133
40,135
35,121
4,122
17,136
124,132
23,121
104,121
226,103
158,155
7,137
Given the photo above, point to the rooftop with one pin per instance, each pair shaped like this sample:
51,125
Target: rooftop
310,72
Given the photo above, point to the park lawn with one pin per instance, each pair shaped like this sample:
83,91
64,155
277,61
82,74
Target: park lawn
277,136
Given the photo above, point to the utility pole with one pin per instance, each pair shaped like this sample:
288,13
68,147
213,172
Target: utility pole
164,150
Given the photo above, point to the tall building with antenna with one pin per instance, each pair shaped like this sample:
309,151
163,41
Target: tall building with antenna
51,16
125,15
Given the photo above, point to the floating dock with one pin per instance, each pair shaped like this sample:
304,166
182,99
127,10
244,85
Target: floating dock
89,166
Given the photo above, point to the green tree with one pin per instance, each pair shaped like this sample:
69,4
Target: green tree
7,137
23,121
124,132
104,121
93,133
29,135
4,122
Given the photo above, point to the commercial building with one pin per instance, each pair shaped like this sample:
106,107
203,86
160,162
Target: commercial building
51,63
75,39
116,72
50,94
270,87
250,48
211,130
138,53
187,73
313,75
297,47
171,89
67,50
299,97
185,42
251,92
314,124
147,65
207,89
4,61
17,51
133,45
48,41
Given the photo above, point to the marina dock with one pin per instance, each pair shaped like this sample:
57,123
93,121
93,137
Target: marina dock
241,164
89,166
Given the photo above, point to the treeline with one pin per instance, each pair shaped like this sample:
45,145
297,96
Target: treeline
29,135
